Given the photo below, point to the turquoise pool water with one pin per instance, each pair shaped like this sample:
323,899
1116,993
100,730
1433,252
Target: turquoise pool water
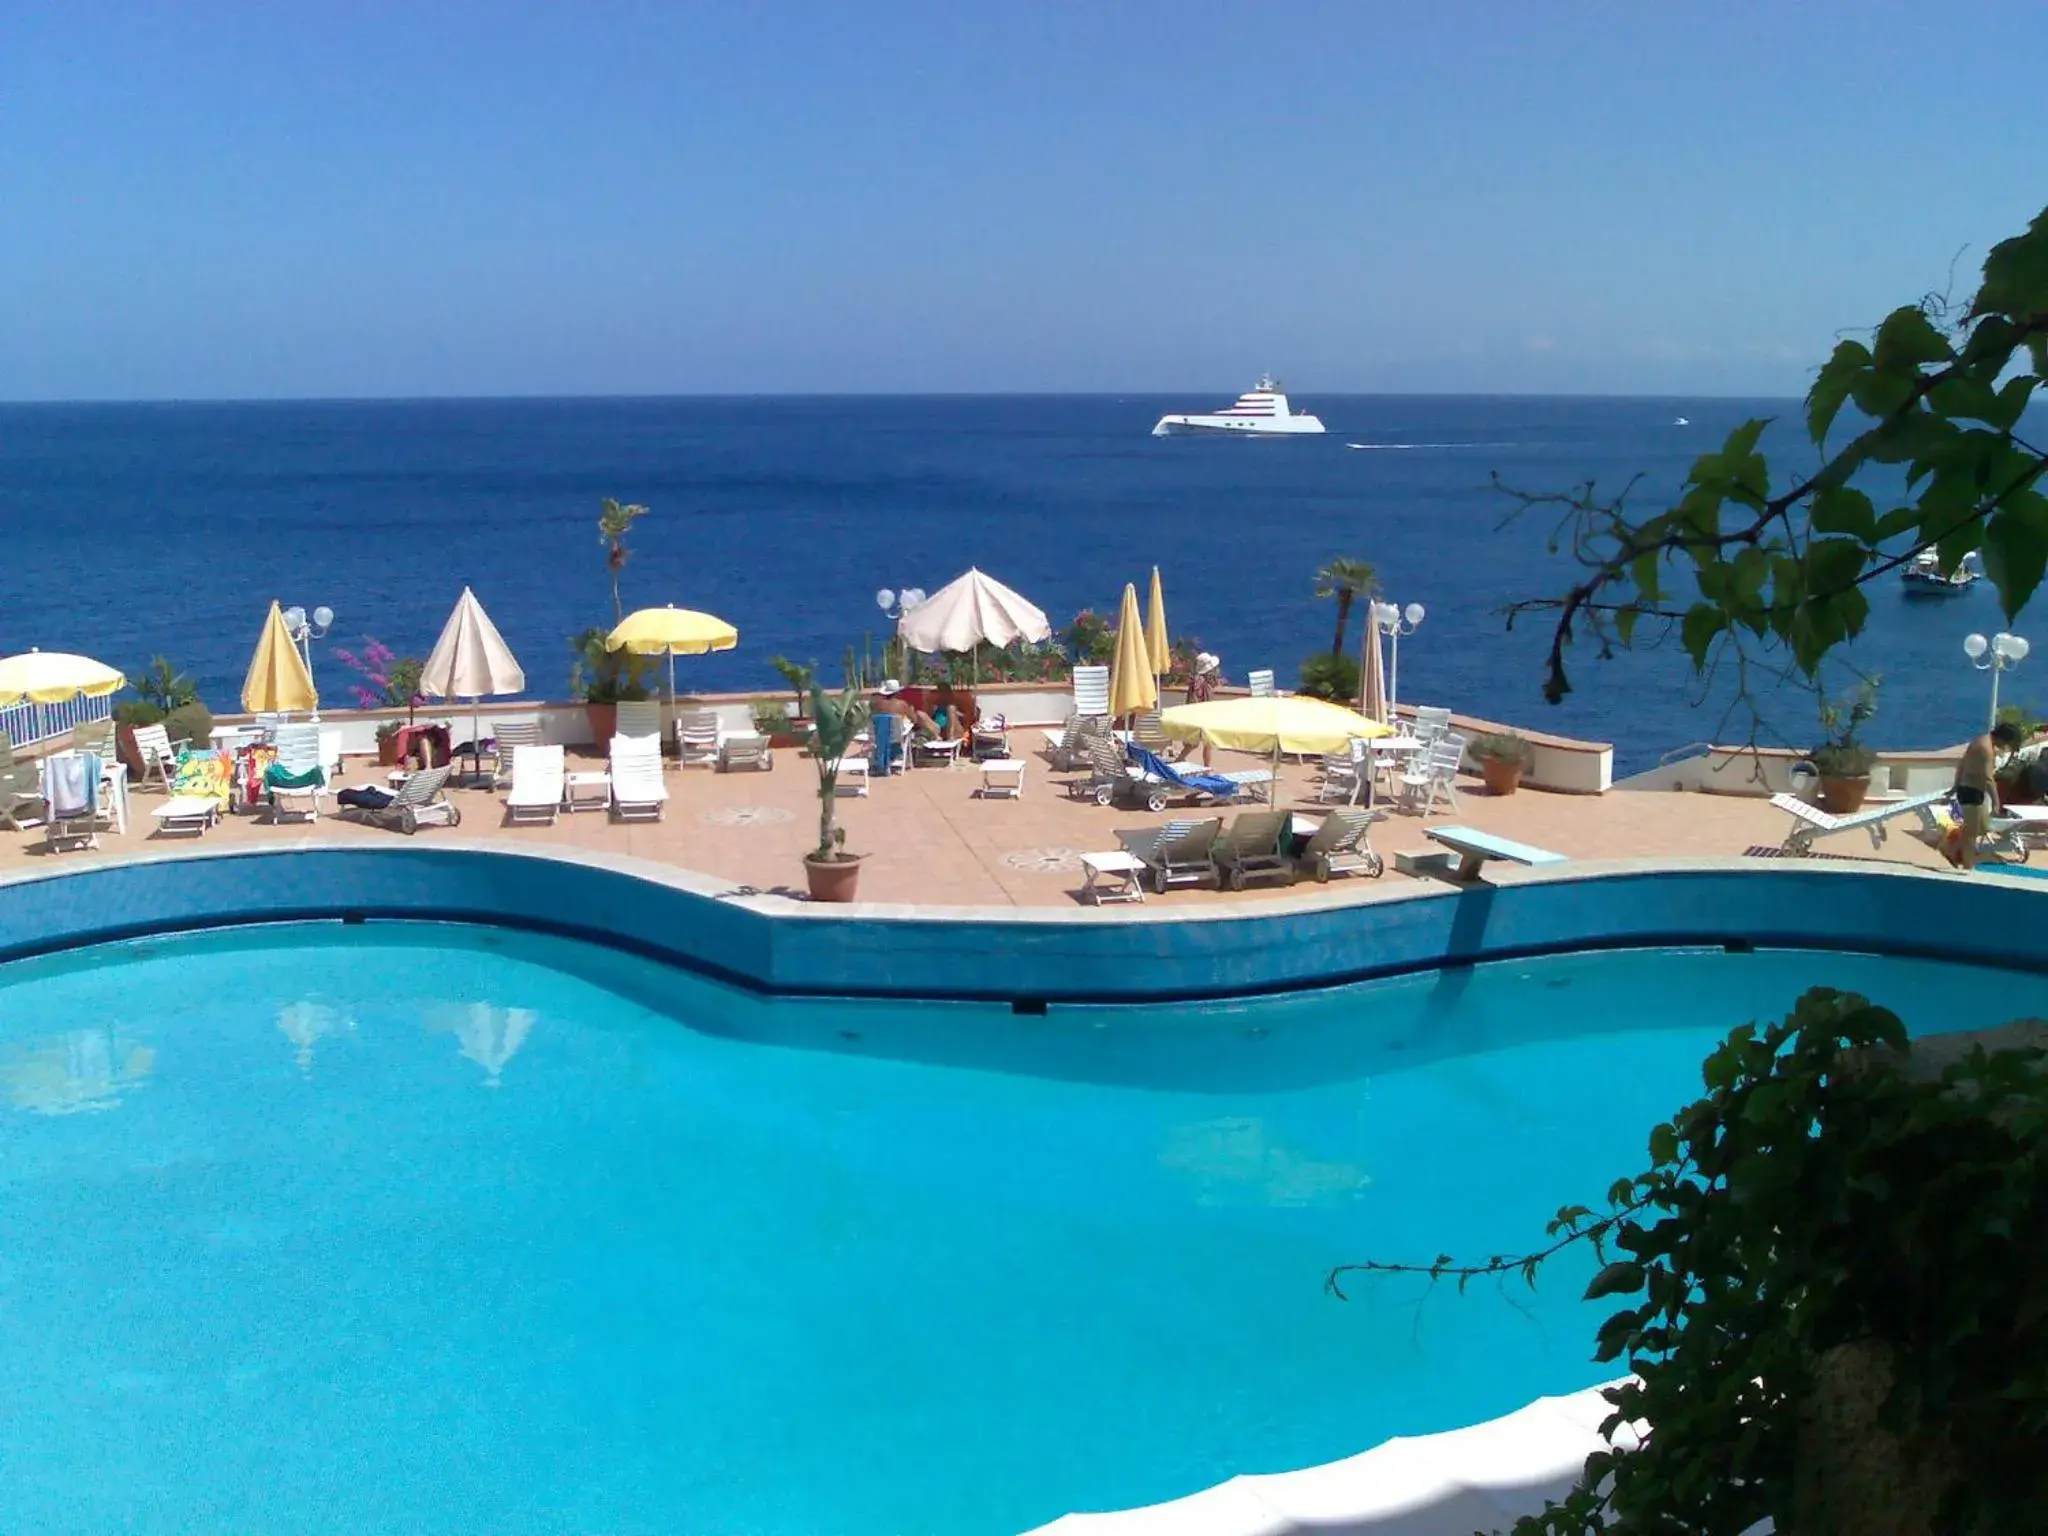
420,1228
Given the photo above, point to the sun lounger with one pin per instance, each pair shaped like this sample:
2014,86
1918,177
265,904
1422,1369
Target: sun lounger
186,813
158,752
638,793
637,718
71,794
1002,776
749,750
697,736
852,777
1810,822
1260,683
1342,845
1071,746
296,782
1475,848
421,800
1163,781
1177,853
20,786
1091,692
1251,850
536,784
510,740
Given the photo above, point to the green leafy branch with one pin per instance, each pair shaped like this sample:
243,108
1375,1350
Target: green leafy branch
1787,568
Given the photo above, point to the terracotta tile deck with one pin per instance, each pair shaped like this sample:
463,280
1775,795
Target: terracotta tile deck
930,841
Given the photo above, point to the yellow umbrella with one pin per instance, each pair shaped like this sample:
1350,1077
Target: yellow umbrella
1131,685
1290,723
278,680
1156,645
673,632
54,677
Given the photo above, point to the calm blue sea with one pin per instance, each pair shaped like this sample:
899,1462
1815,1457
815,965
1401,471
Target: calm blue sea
137,529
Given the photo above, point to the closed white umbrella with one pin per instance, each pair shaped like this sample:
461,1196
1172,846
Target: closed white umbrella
963,613
471,660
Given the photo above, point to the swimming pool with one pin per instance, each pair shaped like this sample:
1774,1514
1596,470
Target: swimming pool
407,1226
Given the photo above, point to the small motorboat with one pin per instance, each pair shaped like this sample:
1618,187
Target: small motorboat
1922,576
1681,422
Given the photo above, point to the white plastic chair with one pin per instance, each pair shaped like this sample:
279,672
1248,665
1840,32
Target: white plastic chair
1435,772
697,736
1261,683
298,751
159,754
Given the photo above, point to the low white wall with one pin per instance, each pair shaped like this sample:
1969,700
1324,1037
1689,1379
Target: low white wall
1760,772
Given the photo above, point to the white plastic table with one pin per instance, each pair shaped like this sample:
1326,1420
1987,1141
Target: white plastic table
1123,870
595,787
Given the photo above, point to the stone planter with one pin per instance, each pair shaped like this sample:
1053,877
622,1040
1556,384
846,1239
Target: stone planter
1503,775
833,879
1843,797
387,749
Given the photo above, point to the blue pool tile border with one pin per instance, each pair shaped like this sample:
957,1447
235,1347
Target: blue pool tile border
1028,956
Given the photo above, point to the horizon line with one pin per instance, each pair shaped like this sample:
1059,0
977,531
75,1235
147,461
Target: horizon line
929,394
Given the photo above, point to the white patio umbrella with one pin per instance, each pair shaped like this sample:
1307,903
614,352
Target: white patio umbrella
965,612
1372,672
471,660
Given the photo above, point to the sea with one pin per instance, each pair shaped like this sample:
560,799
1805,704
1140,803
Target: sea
130,531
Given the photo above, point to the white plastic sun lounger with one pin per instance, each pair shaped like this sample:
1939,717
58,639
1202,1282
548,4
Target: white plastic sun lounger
1810,822
1475,848
536,784
637,790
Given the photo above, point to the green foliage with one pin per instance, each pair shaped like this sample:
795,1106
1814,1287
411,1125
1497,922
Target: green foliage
1327,676
2024,718
1346,580
798,676
133,712
1827,1215
773,719
614,522
191,722
600,676
163,686
404,685
1740,561
834,724
1502,747
1842,754
1090,640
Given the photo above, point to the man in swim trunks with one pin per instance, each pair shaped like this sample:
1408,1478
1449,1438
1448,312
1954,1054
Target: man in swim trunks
1976,790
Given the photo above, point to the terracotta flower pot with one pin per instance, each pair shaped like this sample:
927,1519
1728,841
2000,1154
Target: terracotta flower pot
1503,775
1843,797
833,879
387,750
604,722
128,752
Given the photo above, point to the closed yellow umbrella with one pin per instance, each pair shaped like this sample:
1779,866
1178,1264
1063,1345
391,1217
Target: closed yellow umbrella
54,677
1131,685
278,680
1290,723
673,632
1156,645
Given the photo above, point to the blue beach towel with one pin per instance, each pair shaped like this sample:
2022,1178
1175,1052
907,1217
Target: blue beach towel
886,745
1200,783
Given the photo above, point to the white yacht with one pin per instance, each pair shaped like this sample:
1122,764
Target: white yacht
1262,412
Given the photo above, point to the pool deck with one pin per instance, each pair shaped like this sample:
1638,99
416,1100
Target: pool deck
930,841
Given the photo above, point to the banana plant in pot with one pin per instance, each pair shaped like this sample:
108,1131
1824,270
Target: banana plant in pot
833,873
1842,760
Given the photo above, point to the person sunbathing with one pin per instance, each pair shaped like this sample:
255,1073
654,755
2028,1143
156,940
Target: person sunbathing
888,700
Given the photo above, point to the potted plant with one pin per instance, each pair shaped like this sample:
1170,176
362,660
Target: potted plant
1842,760
159,689
603,678
387,744
833,873
773,720
1503,757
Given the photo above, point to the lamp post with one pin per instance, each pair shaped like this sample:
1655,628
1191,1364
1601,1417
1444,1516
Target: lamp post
1397,621
305,629
894,606
1995,656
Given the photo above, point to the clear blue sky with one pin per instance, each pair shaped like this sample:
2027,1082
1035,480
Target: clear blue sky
214,200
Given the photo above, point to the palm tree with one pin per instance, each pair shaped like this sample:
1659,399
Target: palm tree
1345,579
612,526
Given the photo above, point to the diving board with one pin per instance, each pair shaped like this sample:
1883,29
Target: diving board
1475,849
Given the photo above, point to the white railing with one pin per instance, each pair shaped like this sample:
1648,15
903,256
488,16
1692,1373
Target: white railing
27,724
